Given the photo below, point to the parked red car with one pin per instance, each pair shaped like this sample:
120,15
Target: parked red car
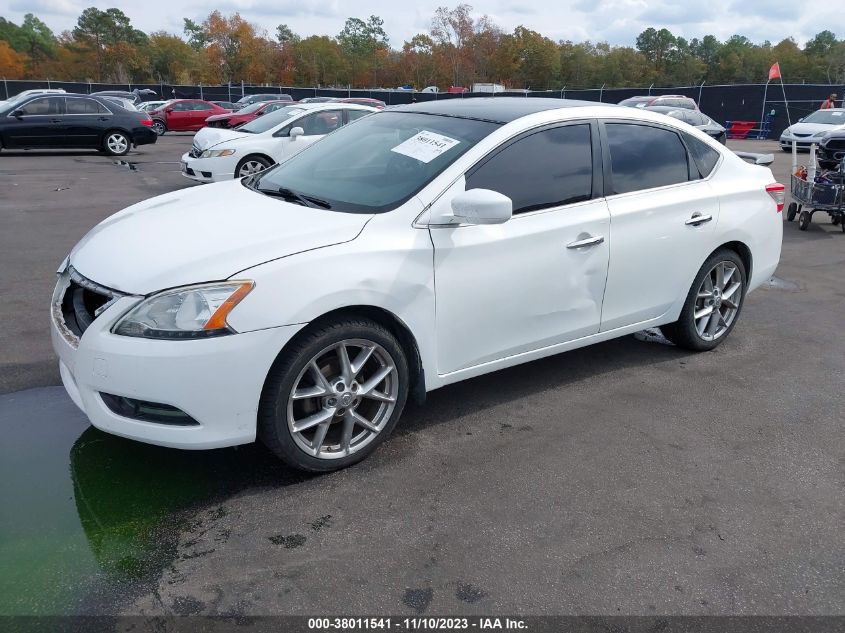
245,115
375,103
183,115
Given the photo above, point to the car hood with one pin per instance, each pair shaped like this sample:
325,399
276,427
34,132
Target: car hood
211,136
201,234
809,128
220,117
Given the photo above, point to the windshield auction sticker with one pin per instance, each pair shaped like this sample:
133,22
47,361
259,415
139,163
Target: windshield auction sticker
425,146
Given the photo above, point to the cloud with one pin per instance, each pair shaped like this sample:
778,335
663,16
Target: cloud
46,7
278,8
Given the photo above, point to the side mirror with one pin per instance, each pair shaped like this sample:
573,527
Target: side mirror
168,109
482,206
18,114
295,132
261,113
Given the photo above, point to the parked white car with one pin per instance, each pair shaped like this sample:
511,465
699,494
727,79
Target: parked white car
419,247
149,106
222,154
812,128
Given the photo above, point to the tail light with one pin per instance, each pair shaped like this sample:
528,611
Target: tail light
778,193
148,122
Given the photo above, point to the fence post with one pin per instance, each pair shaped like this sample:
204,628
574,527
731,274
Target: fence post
601,93
48,83
649,89
5,89
700,88
229,85
201,97
242,88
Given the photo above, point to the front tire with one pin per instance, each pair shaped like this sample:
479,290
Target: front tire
252,165
804,220
333,396
116,143
713,304
159,127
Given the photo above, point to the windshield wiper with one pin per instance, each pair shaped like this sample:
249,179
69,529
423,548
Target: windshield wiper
291,196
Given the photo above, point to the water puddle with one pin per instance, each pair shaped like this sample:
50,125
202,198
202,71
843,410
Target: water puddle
776,283
126,164
88,518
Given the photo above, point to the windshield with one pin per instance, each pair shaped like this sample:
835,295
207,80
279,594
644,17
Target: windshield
378,162
829,117
269,121
250,108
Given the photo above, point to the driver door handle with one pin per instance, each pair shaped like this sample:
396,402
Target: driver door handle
697,219
589,241
55,120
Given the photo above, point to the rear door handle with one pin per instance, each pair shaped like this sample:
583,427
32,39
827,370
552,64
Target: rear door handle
55,120
698,219
589,241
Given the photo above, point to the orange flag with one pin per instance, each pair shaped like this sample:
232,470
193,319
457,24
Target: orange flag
774,71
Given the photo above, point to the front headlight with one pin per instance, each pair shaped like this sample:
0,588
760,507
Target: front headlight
214,153
190,312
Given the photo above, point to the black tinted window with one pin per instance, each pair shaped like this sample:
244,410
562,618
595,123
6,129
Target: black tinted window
44,105
84,106
704,156
644,157
545,169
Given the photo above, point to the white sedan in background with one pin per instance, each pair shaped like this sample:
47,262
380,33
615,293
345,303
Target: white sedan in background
812,128
220,154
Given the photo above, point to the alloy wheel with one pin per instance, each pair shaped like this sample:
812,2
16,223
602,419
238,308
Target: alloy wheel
251,167
342,399
718,300
117,143
158,128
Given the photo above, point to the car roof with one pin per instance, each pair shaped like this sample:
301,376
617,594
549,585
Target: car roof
495,109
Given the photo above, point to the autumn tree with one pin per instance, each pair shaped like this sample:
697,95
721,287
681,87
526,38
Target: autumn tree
12,63
451,29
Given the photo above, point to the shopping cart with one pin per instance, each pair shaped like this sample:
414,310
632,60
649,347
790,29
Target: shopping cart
810,196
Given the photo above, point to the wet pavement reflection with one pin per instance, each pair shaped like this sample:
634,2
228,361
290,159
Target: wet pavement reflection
88,519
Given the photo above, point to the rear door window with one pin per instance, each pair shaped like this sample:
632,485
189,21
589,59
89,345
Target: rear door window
645,157
543,169
84,106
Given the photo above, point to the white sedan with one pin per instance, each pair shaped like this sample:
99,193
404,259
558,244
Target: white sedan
812,128
221,154
419,247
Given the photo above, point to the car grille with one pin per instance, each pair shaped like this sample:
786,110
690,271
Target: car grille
195,152
78,301
800,135
835,144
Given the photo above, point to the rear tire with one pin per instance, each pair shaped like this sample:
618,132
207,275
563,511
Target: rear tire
116,143
716,291
319,422
159,127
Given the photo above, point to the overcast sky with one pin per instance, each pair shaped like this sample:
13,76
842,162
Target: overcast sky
614,21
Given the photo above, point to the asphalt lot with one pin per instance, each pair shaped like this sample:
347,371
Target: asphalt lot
625,478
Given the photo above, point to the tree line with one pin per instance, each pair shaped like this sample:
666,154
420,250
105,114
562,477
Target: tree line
459,49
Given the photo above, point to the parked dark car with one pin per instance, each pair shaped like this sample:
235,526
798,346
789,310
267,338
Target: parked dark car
696,119
135,96
184,115
250,99
673,101
831,153
72,121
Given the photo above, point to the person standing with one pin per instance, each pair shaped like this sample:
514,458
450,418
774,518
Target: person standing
830,103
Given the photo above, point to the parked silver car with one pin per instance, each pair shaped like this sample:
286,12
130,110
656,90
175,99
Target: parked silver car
695,118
